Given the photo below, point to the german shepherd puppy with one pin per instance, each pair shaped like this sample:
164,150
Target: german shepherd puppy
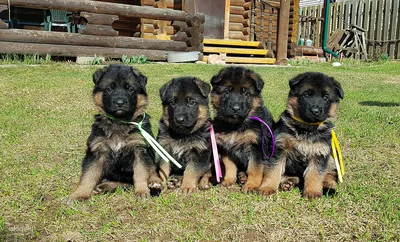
303,134
116,152
184,131
236,96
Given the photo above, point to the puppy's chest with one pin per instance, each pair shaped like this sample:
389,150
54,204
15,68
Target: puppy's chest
181,148
303,145
237,139
117,144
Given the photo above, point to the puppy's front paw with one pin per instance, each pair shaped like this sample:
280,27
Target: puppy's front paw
227,182
187,190
143,193
242,177
267,191
310,194
249,188
288,183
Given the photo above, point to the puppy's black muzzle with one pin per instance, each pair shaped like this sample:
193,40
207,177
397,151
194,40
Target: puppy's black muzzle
236,106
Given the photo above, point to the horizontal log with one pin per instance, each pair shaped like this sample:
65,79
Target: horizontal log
246,23
247,14
73,51
103,7
236,35
246,31
179,36
236,10
237,3
61,38
102,30
234,18
98,18
247,6
236,27
308,50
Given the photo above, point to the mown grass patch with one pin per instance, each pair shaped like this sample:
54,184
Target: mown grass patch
45,117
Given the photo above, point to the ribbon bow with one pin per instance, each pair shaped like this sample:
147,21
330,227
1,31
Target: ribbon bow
152,142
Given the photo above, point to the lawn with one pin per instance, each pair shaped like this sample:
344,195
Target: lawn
45,117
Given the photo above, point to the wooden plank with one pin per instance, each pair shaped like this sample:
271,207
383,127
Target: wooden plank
236,18
237,3
227,19
346,15
340,15
62,38
234,50
379,23
103,7
366,14
94,29
334,15
398,37
236,27
386,22
236,35
236,10
231,42
353,17
394,23
246,60
372,27
71,50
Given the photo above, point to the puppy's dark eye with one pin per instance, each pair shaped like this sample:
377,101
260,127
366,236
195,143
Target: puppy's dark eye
131,89
246,92
109,89
191,102
226,91
326,97
172,103
306,95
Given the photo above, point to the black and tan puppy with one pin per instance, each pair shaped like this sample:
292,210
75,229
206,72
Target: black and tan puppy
184,131
236,96
116,152
303,134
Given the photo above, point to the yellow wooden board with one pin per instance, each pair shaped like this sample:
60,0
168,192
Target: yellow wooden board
246,60
230,42
234,50
160,37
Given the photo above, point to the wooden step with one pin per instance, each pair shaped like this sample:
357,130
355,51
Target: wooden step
228,50
246,60
230,42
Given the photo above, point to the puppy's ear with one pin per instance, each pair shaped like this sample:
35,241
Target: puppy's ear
297,79
338,87
98,74
164,90
217,78
258,80
142,79
203,86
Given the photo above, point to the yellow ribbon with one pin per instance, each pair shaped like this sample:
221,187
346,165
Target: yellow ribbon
337,156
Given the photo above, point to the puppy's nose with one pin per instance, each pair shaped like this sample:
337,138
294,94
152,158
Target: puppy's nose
315,111
236,107
120,102
179,119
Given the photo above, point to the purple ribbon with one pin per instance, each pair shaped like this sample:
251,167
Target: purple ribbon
263,134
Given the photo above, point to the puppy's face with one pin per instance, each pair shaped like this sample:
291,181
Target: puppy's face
185,104
120,91
314,96
236,92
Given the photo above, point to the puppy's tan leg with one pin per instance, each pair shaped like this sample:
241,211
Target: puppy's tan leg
190,179
230,172
90,177
254,176
205,183
330,181
140,177
312,181
164,171
271,178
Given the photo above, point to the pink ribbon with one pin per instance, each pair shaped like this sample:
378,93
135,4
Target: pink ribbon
217,164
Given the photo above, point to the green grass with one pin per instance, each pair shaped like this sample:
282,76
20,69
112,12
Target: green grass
45,116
